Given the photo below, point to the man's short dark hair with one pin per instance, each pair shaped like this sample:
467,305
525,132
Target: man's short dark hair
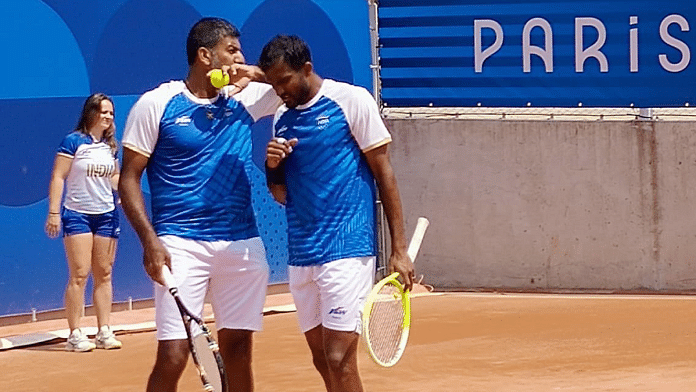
206,33
288,48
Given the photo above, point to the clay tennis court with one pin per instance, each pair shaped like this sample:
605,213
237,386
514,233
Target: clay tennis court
459,342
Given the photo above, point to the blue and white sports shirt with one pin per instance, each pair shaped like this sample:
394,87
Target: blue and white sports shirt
88,185
199,154
331,192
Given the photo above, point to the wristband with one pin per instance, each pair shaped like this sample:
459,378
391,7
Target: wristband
54,213
276,176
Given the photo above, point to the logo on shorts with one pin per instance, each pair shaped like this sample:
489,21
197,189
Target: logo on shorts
337,312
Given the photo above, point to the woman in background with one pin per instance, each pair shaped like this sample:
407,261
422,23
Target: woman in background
87,168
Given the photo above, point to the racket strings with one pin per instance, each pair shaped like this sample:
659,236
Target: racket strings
386,323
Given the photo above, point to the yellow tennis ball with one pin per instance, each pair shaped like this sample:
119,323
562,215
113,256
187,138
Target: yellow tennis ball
219,79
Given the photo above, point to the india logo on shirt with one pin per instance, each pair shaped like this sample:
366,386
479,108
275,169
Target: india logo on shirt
322,121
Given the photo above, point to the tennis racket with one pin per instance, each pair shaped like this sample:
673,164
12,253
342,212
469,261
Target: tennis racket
204,349
387,313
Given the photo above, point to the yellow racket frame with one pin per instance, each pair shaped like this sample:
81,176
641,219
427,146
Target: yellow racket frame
406,305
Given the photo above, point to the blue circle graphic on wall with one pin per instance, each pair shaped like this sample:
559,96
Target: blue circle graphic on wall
29,100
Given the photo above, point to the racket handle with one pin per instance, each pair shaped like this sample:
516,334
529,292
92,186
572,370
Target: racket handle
417,238
169,281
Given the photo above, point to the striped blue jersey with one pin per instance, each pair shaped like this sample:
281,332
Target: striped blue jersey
88,185
199,158
331,192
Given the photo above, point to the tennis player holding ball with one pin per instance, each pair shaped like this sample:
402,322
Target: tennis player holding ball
196,145
330,147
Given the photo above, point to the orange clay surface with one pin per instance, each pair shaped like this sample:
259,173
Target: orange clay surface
459,342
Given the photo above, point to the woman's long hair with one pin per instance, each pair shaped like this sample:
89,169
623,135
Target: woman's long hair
90,114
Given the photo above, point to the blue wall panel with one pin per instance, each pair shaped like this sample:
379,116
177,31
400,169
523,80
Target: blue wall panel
428,53
124,48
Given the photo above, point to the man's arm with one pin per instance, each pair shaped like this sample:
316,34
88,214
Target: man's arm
279,192
378,160
240,77
246,72
277,150
133,203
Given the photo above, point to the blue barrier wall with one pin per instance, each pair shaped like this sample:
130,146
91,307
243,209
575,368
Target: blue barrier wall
542,53
58,52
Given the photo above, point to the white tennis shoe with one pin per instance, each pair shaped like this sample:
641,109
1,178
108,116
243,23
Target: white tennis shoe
106,339
79,342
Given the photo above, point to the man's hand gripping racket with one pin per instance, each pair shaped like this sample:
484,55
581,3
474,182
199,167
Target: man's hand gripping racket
204,349
387,312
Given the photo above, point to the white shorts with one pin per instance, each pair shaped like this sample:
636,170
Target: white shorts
332,294
234,275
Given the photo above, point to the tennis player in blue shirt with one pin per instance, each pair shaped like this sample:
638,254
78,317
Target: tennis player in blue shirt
330,147
195,142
